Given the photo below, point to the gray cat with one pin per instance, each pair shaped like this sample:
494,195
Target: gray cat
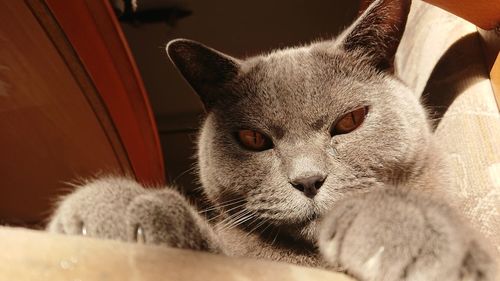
315,155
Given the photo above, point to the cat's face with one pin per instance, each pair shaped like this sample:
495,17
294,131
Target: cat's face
291,103
295,98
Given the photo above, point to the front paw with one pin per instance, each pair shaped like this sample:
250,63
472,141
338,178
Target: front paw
165,217
96,208
389,235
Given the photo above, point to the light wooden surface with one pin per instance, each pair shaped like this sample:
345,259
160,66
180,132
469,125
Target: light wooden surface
28,255
483,13
495,79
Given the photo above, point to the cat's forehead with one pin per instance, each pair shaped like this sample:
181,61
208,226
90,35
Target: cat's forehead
307,69
299,87
286,64
306,77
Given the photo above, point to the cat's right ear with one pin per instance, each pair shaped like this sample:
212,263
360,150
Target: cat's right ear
378,31
207,71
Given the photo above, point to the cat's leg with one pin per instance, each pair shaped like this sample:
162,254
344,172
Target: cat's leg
119,208
390,235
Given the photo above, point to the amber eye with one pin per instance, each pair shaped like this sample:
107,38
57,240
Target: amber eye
254,140
350,121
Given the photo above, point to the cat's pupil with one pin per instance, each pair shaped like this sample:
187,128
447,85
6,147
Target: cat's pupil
256,138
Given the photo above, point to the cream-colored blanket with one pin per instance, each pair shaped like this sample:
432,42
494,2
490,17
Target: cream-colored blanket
28,255
441,59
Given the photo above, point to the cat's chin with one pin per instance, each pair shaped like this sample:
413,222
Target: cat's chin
304,231
310,231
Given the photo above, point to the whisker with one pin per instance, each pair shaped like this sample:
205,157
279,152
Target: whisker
228,220
218,205
183,173
276,236
256,227
265,228
221,205
240,221
226,212
237,218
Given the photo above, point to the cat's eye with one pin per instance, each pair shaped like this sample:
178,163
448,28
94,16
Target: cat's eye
254,140
350,121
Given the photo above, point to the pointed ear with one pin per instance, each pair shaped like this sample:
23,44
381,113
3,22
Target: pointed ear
205,69
378,31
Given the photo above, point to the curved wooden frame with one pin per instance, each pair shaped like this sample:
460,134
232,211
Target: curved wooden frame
95,34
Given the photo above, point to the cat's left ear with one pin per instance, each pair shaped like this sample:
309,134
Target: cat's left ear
207,71
378,31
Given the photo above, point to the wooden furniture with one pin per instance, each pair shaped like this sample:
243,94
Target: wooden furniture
72,105
29,255
485,14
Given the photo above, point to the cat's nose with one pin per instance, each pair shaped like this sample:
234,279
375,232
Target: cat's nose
309,185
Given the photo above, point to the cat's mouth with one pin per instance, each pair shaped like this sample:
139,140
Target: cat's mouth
305,229
290,217
271,220
259,215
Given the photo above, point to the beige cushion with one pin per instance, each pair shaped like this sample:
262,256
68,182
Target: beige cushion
445,50
28,255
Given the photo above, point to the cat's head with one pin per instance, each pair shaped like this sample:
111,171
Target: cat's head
293,131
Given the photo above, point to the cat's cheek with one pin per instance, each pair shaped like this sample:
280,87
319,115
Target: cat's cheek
341,148
365,154
240,174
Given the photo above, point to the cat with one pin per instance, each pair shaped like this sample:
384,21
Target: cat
316,155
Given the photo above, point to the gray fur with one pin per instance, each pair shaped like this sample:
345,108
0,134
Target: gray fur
375,216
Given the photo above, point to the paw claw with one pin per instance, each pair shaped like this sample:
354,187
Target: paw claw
140,238
83,230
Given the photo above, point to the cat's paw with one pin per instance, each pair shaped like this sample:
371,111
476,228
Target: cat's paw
388,235
96,208
165,217
120,208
